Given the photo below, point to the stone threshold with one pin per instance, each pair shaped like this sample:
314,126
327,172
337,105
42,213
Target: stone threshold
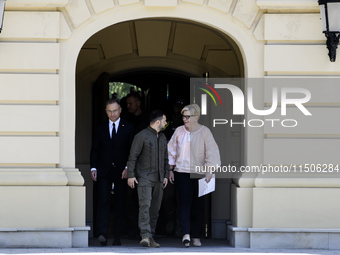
87,228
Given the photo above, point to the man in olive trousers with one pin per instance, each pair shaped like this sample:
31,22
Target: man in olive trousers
148,169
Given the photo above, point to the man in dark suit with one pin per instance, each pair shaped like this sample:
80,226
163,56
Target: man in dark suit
109,155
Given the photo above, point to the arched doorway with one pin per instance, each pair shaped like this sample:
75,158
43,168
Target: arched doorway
160,56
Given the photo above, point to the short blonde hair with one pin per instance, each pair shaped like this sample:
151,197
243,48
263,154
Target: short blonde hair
194,109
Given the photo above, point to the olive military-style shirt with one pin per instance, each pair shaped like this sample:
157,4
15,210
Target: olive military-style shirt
148,156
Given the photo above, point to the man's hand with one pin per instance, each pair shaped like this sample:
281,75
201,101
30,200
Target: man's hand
94,175
124,173
165,182
171,177
131,182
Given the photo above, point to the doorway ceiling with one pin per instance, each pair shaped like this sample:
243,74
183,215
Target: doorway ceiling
189,48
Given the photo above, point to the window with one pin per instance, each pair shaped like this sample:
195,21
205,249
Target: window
121,89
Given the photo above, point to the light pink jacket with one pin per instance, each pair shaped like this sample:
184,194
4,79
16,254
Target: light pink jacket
188,150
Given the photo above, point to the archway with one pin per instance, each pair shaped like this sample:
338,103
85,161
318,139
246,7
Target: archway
160,56
72,47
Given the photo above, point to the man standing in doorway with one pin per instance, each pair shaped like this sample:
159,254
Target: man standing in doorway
109,155
136,114
148,169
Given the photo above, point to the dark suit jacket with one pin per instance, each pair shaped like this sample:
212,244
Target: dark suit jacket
105,151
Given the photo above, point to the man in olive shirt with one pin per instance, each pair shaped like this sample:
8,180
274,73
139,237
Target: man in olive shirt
148,169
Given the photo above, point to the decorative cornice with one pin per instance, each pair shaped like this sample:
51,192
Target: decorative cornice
36,3
288,4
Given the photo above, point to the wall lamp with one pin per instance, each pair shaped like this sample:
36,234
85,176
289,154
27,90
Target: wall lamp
2,11
330,18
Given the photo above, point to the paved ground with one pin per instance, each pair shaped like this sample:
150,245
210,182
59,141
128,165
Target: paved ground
171,246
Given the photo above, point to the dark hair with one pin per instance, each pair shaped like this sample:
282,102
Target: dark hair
156,115
112,101
135,95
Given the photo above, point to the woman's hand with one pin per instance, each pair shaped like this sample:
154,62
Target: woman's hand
208,177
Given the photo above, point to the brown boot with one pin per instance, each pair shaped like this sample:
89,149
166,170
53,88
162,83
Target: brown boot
145,242
153,243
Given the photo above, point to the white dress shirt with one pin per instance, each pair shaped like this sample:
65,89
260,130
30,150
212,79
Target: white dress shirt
111,126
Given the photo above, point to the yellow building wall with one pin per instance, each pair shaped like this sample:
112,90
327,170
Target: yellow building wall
39,193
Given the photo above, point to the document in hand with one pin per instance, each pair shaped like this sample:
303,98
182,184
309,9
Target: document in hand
204,187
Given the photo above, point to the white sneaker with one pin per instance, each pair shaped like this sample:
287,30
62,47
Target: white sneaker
196,242
186,240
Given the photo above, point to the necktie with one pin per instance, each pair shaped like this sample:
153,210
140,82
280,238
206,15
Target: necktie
113,130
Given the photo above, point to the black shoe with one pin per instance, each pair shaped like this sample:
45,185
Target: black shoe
102,240
116,242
